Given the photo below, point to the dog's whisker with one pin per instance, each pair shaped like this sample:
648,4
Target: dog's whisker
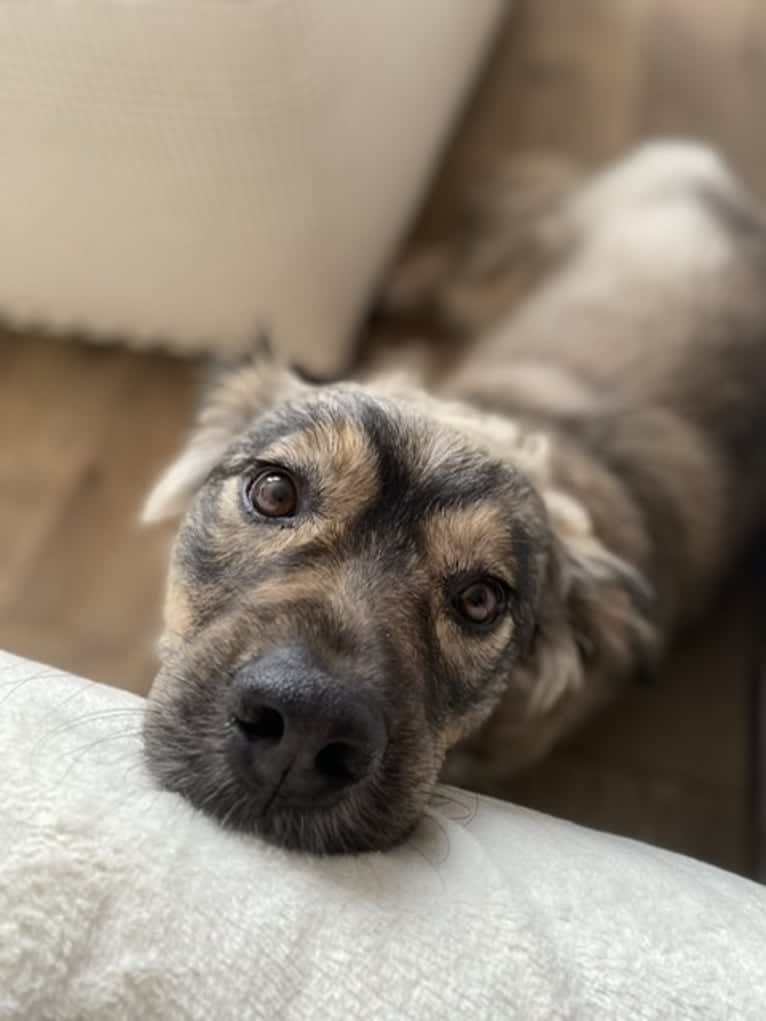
77,754
124,712
30,678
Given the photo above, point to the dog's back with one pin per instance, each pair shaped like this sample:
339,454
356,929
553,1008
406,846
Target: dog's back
658,296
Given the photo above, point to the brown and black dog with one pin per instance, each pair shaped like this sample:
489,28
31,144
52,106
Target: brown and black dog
375,585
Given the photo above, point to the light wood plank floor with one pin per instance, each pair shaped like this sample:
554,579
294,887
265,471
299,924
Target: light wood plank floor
83,429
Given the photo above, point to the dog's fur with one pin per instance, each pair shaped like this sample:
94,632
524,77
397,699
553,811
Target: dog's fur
600,450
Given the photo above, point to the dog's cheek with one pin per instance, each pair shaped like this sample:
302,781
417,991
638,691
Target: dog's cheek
178,615
176,755
464,724
458,730
199,562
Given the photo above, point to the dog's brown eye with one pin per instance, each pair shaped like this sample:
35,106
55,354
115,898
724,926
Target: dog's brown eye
480,603
273,494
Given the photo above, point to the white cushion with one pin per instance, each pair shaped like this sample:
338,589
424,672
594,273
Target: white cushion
183,171
118,900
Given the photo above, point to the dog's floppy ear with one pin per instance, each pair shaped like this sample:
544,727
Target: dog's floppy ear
596,618
237,395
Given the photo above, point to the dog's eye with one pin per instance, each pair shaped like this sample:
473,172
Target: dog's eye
480,603
273,494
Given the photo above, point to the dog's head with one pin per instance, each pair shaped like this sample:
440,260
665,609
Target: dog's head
358,575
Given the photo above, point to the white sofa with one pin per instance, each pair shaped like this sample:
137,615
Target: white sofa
120,901
185,171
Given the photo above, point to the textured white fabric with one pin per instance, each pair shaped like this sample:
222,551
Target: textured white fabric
184,170
120,901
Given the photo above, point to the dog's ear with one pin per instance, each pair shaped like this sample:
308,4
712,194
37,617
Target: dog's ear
597,616
238,393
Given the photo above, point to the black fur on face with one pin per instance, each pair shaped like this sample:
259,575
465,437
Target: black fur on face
398,514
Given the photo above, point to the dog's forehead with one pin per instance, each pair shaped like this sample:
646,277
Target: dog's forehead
412,459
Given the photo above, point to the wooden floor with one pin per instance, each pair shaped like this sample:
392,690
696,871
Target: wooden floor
83,430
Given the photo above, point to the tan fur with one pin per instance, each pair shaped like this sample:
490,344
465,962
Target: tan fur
177,611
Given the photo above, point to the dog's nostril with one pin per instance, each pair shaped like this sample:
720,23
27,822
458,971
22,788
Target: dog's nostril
339,762
263,723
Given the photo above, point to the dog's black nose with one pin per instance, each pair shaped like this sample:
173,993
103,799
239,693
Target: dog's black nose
300,732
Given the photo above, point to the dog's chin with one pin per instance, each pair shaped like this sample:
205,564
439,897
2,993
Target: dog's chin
377,815
351,824
339,828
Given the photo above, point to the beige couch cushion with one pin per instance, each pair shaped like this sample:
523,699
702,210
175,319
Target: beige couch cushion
184,170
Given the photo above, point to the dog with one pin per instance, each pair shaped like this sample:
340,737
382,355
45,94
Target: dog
377,584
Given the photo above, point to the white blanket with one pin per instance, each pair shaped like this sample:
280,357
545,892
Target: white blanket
120,901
